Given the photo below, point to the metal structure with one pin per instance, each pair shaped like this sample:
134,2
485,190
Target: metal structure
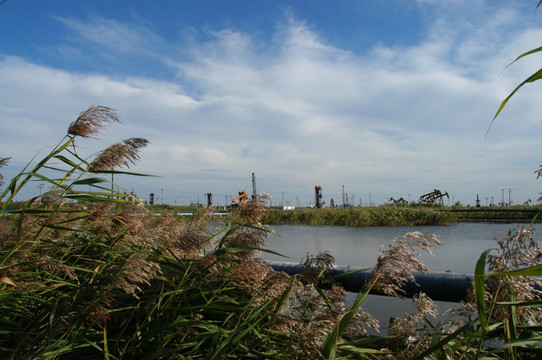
398,202
239,199
435,195
209,199
438,286
253,186
318,196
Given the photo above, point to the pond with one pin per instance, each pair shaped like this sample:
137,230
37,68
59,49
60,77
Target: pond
462,245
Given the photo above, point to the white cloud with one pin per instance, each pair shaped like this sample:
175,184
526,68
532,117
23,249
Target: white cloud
298,111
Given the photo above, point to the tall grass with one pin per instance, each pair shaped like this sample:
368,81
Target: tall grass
79,280
359,217
85,273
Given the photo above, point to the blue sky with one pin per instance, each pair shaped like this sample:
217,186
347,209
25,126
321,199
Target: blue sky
388,98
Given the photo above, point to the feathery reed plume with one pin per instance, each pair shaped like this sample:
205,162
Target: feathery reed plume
519,249
3,162
315,266
396,264
259,280
252,210
92,120
118,154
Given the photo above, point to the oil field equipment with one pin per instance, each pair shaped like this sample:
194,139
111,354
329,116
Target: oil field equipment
209,199
440,286
239,199
435,195
401,201
253,186
318,196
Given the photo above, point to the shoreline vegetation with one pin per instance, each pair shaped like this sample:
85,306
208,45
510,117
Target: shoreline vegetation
360,217
87,273
386,215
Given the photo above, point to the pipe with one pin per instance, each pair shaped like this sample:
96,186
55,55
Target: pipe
439,286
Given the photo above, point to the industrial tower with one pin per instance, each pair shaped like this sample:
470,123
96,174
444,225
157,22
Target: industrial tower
318,196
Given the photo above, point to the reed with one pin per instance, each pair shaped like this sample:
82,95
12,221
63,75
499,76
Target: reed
85,273
359,217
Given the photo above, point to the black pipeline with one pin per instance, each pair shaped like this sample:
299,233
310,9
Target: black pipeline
440,286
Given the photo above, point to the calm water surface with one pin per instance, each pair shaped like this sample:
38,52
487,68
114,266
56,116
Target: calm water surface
462,244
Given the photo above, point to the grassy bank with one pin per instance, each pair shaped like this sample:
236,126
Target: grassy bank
498,213
358,217
402,216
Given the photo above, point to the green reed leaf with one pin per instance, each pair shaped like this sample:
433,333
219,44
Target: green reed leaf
480,288
534,77
535,270
330,345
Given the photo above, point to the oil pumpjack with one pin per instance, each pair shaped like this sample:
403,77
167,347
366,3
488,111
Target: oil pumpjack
435,195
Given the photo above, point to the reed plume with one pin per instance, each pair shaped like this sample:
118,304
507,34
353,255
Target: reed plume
396,264
518,250
3,162
313,267
91,121
119,154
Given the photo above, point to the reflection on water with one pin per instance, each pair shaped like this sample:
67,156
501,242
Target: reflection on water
461,246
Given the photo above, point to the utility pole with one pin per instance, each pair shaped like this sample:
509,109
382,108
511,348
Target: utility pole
509,199
253,186
162,196
343,197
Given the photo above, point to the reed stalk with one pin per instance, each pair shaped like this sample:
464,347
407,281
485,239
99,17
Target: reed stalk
86,273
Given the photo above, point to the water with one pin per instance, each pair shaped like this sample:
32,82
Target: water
462,245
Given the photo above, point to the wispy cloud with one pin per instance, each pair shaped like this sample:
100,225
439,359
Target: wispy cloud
298,110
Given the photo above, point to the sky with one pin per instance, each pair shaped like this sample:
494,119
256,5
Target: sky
376,99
